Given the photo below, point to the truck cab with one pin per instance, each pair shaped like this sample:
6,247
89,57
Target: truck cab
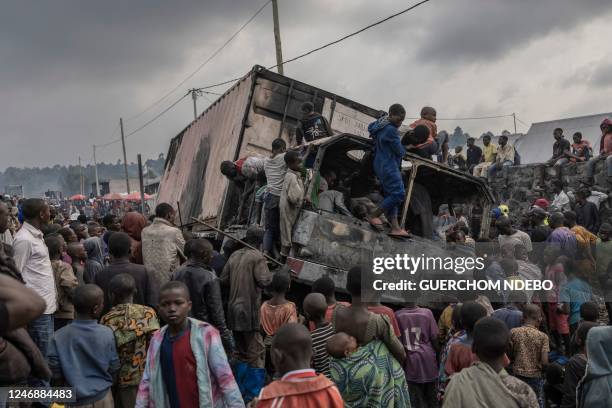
330,243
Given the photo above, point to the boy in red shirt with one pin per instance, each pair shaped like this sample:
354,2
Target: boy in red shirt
299,386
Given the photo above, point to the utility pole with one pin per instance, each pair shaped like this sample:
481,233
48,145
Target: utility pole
81,175
96,172
125,165
514,116
277,38
194,96
141,179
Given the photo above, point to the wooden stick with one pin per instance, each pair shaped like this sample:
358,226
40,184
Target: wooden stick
236,239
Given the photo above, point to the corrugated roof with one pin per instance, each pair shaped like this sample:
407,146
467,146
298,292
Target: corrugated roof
536,145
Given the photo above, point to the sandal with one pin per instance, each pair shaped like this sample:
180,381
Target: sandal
400,234
375,222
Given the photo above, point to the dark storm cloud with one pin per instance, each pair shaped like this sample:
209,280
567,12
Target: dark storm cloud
70,69
96,41
479,30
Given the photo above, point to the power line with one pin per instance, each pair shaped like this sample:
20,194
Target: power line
473,118
229,81
212,56
328,44
522,122
350,35
156,116
113,141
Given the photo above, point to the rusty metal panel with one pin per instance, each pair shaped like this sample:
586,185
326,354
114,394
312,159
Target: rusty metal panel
192,176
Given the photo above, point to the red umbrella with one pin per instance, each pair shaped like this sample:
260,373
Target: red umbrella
113,196
77,197
135,196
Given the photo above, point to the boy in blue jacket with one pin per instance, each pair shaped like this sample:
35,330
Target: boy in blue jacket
388,154
83,353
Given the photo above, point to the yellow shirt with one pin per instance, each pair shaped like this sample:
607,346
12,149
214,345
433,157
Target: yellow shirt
489,152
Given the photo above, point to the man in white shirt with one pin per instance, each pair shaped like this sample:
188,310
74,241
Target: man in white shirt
561,201
275,169
162,244
32,260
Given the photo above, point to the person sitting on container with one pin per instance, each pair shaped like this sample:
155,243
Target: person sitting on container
488,157
503,158
388,154
581,149
457,160
312,126
561,152
605,153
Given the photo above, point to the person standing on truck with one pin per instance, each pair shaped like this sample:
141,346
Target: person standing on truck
388,154
275,169
312,126
291,200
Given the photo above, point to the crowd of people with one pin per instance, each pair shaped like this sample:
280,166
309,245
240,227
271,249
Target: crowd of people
135,312
489,159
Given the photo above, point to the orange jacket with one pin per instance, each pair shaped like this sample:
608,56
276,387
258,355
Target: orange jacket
301,389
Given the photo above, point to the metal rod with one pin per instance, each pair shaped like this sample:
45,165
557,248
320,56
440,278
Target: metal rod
194,96
96,170
239,240
413,173
81,175
141,180
289,93
178,208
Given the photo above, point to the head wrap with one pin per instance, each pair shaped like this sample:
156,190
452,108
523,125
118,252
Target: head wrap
542,203
605,227
504,209
496,213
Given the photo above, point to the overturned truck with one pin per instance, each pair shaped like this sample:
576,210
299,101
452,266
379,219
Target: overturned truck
263,106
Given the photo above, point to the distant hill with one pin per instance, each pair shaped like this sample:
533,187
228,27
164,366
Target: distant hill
37,180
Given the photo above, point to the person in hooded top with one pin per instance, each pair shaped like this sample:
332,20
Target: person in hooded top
388,154
132,224
595,388
576,366
95,260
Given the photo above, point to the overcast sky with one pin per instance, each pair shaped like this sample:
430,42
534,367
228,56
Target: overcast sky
70,69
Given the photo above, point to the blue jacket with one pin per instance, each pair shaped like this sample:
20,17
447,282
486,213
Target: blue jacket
595,388
388,150
84,353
